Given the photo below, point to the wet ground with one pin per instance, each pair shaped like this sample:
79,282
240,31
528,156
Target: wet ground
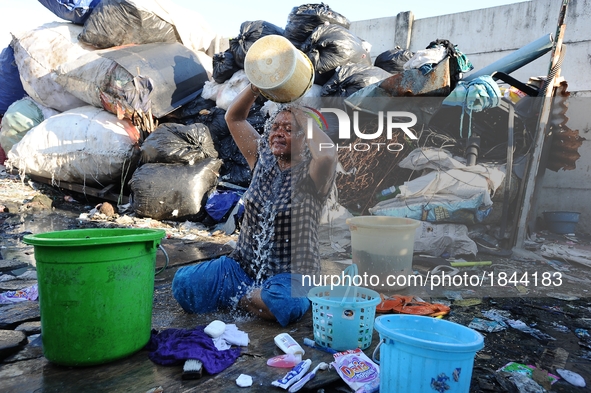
542,295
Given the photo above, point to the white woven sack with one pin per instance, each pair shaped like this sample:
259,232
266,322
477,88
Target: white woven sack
193,29
38,52
85,76
86,145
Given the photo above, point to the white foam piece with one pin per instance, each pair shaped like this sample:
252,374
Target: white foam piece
571,377
244,381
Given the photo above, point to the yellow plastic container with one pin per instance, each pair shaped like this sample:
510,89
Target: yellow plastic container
280,71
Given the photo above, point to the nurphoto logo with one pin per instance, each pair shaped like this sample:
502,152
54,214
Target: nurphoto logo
393,120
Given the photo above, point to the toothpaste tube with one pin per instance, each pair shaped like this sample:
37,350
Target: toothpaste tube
294,375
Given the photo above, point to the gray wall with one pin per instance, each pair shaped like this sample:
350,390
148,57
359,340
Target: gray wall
489,34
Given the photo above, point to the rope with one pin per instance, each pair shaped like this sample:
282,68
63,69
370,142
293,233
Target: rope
553,72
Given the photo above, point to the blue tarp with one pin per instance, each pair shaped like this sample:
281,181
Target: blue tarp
75,11
11,88
221,202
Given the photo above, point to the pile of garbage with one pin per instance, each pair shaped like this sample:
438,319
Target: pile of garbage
128,93
86,96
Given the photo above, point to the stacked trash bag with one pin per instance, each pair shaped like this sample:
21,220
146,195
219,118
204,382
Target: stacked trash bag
341,60
125,92
82,101
446,201
93,99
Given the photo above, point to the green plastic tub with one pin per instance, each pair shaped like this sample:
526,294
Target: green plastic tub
96,289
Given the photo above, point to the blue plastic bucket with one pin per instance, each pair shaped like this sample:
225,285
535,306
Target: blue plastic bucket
425,355
343,316
561,222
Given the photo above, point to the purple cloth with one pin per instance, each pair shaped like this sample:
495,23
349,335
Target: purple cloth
174,346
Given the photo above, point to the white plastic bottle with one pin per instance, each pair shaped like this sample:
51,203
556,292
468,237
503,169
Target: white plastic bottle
289,345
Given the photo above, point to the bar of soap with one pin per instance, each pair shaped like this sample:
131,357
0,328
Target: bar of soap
244,381
215,329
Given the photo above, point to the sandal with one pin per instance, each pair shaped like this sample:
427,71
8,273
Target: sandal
409,305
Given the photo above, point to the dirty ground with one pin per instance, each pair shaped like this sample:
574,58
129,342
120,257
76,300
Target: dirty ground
559,310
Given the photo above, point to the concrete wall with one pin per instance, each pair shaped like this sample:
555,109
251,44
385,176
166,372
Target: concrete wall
487,35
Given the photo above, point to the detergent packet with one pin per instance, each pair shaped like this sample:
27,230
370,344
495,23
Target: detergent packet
357,370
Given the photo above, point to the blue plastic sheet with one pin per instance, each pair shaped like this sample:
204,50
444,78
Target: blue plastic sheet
11,88
75,11
221,202
436,208
474,96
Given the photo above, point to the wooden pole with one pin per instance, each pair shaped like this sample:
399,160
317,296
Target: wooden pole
532,179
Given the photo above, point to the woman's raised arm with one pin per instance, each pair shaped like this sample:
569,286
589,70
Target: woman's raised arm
245,136
324,158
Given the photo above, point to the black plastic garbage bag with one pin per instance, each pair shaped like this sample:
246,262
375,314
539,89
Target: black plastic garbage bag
234,169
174,192
120,22
215,122
228,150
224,66
331,46
302,21
76,11
193,108
321,79
458,62
250,31
218,128
236,173
353,77
393,60
256,118
176,143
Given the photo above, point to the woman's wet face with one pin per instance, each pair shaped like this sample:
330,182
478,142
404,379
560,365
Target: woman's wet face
283,130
